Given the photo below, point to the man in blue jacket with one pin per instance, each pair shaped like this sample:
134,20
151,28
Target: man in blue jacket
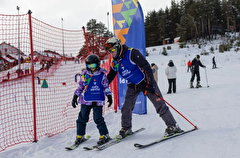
133,67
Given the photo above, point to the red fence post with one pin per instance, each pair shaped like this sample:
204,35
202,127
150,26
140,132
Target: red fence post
32,73
86,39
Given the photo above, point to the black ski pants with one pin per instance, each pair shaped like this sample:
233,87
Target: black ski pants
161,108
193,76
172,85
83,118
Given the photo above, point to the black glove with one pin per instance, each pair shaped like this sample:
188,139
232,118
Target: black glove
74,101
150,89
109,100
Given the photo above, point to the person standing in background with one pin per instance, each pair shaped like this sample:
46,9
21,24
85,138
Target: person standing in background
214,63
189,65
195,71
171,71
155,71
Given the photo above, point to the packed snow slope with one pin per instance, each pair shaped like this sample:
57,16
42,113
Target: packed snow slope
214,110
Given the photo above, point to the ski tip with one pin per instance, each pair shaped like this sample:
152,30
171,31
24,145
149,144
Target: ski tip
138,145
88,148
68,148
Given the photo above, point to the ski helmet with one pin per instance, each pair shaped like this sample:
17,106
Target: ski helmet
92,59
198,56
113,42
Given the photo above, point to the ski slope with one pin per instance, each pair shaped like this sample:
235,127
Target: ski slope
214,109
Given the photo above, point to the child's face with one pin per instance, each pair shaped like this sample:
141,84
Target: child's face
93,69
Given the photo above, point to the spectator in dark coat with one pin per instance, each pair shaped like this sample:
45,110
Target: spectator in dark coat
214,63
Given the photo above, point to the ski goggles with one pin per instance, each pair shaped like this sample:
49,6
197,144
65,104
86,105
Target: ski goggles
112,50
94,65
110,47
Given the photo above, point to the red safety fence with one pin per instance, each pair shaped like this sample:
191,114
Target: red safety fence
38,77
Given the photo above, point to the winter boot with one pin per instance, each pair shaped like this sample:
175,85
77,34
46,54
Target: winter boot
198,85
124,132
191,85
171,130
103,139
79,139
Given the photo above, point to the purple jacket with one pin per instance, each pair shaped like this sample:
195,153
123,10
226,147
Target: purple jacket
79,91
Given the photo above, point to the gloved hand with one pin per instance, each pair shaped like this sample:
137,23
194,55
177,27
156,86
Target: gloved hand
74,101
109,100
150,89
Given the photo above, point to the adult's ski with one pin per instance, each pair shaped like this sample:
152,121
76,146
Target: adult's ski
114,141
141,146
74,146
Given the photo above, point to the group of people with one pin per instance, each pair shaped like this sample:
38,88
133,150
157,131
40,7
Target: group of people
94,86
171,71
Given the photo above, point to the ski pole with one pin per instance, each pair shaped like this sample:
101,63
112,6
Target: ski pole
206,77
177,111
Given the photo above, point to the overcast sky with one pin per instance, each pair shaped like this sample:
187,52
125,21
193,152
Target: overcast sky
75,13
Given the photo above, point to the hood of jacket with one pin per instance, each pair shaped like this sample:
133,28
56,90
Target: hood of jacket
170,64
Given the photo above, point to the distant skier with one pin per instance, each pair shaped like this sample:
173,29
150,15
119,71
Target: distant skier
93,86
131,65
214,63
195,71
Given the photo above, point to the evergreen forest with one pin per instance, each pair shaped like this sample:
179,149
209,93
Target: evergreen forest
192,20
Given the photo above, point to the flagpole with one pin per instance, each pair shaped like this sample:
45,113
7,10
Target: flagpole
108,20
19,57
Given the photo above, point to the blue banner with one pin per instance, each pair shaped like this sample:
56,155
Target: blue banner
128,26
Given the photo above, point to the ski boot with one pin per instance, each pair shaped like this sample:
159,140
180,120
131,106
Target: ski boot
171,130
198,85
79,139
124,132
191,85
103,139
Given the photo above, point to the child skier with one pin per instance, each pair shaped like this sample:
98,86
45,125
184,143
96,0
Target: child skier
93,86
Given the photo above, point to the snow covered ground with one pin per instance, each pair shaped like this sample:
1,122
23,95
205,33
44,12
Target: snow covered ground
214,109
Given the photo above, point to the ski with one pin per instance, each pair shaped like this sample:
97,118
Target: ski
91,147
113,141
141,146
74,146
118,140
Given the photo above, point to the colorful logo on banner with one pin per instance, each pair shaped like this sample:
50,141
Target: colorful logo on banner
128,26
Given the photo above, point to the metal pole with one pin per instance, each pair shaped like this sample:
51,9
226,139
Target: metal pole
19,60
63,41
206,77
108,20
177,111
